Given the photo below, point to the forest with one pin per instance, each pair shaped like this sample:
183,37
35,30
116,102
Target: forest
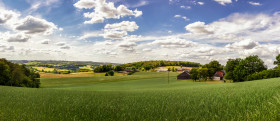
18,75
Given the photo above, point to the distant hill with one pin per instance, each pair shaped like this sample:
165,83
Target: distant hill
55,62
158,63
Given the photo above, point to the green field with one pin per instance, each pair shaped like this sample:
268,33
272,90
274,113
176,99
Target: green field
142,96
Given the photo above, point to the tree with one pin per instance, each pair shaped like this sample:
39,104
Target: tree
203,73
111,73
194,74
4,73
231,65
277,62
213,67
248,66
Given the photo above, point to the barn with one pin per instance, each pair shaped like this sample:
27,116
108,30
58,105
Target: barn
184,75
219,75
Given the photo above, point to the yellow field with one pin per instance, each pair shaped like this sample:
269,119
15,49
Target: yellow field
48,69
80,74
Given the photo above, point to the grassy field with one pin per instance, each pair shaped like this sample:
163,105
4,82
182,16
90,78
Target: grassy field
143,96
78,74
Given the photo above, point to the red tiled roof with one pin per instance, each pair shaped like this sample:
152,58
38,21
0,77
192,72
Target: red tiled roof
219,74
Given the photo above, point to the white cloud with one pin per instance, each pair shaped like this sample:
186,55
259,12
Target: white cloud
254,3
60,44
33,25
45,41
19,37
86,4
198,27
65,47
185,7
223,2
173,43
7,15
90,34
244,44
119,30
200,3
104,10
183,17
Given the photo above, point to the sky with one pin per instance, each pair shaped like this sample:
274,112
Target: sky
123,31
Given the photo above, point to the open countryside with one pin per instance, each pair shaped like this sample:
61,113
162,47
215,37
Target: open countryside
139,60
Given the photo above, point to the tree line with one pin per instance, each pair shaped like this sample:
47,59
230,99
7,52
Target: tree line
250,68
147,65
17,75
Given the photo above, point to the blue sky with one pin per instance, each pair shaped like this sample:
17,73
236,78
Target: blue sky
136,30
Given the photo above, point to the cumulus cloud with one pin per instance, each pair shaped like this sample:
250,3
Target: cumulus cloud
244,44
60,44
119,30
4,48
237,27
18,37
65,47
198,27
45,41
223,2
33,25
254,3
104,10
200,3
6,15
86,4
90,34
173,43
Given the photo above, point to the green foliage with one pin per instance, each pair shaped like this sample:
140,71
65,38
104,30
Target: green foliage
231,65
5,75
110,73
248,66
118,68
194,74
17,75
147,65
203,73
212,67
277,62
103,68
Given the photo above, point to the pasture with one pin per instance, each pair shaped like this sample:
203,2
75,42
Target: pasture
142,96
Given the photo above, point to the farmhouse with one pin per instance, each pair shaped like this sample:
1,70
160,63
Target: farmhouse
219,75
184,75
162,70
182,69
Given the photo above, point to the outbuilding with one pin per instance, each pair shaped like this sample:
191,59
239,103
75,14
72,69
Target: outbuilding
184,75
219,75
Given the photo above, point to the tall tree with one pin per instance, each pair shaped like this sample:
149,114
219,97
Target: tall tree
194,74
231,65
4,73
277,62
248,66
213,67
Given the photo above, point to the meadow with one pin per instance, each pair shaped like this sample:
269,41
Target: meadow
142,96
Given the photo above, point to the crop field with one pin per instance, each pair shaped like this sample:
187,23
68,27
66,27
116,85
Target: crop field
48,69
78,74
142,96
